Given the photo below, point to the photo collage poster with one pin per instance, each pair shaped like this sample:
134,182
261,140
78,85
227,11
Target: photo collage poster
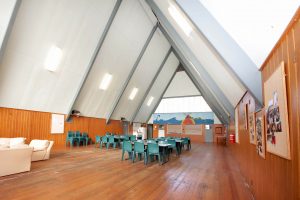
251,121
260,136
276,116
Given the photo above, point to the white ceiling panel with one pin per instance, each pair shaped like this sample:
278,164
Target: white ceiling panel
6,11
143,75
72,26
215,67
124,42
158,88
181,86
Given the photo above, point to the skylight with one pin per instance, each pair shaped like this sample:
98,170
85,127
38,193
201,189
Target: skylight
105,81
150,101
53,58
180,20
133,93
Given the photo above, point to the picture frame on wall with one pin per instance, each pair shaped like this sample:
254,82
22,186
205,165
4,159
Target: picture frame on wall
260,134
276,114
236,124
251,121
246,117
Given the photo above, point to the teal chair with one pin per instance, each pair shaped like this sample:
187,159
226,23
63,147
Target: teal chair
70,138
84,139
107,133
153,150
139,149
111,140
132,138
97,140
77,137
187,142
172,143
127,147
126,137
104,140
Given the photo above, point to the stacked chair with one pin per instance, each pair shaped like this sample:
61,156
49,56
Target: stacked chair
73,137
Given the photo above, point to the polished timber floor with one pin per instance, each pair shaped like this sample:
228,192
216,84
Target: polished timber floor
206,172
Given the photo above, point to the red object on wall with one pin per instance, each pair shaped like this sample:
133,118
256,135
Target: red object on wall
232,138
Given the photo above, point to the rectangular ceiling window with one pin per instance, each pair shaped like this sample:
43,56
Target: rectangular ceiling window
53,58
180,20
150,101
105,81
133,93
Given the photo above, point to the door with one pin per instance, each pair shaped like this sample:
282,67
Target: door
149,131
208,133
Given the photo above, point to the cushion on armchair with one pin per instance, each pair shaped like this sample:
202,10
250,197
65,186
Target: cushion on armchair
20,141
39,145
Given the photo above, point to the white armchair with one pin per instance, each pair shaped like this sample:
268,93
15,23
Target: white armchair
41,149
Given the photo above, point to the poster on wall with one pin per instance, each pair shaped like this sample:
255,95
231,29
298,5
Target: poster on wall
251,125
246,117
260,136
236,123
57,124
277,127
184,118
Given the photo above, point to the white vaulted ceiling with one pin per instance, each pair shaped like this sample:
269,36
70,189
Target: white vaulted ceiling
77,27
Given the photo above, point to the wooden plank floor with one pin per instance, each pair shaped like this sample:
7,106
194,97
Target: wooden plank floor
206,172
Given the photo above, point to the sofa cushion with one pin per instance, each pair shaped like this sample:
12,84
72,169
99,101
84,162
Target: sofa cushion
4,141
39,145
17,141
20,146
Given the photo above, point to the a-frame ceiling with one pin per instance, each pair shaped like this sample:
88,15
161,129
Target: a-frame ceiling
138,42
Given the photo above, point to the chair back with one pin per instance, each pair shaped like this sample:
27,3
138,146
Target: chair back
104,139
85,135
185,140
132,138
127,146
111,139
98,138
107,133
77,134
153,148
70,134
172,142
126,137
139,147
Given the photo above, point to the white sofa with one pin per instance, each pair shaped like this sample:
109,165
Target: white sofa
41,149
11,142
15,159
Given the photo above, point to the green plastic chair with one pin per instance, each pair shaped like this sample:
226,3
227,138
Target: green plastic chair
139,149
132,138
127,147
187,142
126,137
77,137
172,142
153,150
70,138
97,140
84,139
104,140
111,140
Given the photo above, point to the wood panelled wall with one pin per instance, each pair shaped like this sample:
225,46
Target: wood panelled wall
36,125
275,177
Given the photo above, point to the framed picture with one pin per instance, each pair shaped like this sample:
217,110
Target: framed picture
246,116
236,124
251,121
260,136
277,126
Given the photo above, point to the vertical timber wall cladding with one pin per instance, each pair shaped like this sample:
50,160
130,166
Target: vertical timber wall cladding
275,177
36,125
